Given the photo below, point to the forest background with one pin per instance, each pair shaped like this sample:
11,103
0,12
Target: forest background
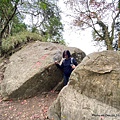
96,20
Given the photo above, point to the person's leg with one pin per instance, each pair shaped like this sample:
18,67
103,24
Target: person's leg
66,79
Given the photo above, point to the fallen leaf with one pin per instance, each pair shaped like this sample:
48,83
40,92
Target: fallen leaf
0,100
36,116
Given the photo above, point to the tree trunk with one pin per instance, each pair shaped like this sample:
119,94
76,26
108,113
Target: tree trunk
108,42
109,47
0,46
6,25
119,41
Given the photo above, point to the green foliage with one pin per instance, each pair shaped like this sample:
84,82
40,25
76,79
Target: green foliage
54,29
11,22
8,17
43,5
17,26
48,18
34,30
6,9
52,25
19,39
119,4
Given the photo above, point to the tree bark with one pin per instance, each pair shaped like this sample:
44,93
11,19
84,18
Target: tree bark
109,43
119,41
6,25
0,46
109,47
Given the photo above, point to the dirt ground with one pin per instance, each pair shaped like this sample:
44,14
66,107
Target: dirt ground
29,109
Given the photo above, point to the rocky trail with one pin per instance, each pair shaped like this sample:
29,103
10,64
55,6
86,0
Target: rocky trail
28,109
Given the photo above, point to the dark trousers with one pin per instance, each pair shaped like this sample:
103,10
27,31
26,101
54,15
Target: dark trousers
66,79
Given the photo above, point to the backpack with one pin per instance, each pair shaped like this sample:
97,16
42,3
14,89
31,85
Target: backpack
71,61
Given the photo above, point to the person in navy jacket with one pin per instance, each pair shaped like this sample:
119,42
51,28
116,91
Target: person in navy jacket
68,65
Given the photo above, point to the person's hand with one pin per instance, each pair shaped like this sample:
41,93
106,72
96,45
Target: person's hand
73,66
56,62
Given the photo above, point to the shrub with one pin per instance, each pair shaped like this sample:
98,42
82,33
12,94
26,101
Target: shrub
19,39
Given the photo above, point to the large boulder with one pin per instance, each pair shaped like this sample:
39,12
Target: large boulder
93,92
32,69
